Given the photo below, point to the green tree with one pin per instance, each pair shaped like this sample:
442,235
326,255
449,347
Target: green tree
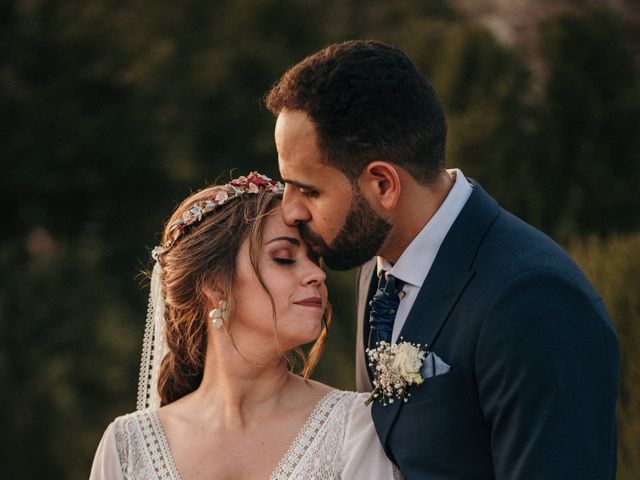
483,87
80,163
587,147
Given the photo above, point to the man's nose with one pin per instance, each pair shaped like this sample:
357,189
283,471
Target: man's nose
293,210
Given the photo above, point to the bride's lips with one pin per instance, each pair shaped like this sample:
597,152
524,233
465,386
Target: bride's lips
314,302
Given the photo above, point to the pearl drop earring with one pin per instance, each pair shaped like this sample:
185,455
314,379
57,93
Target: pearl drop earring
219,315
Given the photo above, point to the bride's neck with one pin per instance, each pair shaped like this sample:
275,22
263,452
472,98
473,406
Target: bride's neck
236,387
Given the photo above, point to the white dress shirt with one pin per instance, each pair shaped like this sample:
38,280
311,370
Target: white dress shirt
415,262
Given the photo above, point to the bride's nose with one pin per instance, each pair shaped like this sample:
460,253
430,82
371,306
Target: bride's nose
293,210
313,274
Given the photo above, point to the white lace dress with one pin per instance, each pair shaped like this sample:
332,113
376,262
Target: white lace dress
338,441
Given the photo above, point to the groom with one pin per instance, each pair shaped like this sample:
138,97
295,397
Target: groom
523,379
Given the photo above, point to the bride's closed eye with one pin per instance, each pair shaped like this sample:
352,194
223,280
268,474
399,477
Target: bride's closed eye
283,256
284,261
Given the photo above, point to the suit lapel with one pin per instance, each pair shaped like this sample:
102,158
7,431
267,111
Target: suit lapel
451,269
447,278
431,308
366,288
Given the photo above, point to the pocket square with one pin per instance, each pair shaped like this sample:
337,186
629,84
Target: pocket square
433,366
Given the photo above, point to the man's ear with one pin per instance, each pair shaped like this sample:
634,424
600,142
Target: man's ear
380,183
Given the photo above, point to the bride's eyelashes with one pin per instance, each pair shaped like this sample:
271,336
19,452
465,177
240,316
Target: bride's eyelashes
288,255
284,261
283,256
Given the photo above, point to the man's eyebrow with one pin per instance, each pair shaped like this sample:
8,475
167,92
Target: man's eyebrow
298,184
292,240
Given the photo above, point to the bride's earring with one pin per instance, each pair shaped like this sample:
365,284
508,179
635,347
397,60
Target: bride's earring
219,315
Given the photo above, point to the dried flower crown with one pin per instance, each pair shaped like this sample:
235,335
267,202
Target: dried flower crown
253,183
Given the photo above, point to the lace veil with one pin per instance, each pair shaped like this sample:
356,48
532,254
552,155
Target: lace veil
154,344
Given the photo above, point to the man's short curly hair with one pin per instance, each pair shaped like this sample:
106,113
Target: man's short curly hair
368,102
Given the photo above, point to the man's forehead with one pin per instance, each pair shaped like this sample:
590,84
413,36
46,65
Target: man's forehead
306,170
294,122
296,140
299,157
303,169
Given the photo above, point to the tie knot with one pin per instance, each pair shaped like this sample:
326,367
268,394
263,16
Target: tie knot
390,285
383,308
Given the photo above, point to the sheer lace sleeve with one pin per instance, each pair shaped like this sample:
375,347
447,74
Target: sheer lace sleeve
363,456
133,448
106,463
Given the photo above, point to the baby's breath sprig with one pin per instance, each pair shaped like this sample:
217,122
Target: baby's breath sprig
396,366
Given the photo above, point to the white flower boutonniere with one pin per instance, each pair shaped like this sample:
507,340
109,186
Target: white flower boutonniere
396,366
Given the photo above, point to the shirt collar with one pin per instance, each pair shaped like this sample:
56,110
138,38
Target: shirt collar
415,262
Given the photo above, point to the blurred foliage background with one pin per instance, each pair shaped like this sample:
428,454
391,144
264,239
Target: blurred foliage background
113,111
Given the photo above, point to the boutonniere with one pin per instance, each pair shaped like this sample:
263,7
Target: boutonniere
396,366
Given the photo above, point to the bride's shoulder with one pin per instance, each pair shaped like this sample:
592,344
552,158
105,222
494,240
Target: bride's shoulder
133,417
348,396
126,427
346,405
329,393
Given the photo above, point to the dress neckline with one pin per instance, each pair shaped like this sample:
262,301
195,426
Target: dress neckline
306,435
308,427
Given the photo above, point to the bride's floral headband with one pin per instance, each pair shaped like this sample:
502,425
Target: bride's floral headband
253,183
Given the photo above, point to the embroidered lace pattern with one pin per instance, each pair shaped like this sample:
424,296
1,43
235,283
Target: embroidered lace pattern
316,453
142,447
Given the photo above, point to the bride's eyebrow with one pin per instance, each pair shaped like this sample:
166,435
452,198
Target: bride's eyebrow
291,240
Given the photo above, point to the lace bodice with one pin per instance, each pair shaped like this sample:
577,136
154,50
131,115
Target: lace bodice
337,441
326,422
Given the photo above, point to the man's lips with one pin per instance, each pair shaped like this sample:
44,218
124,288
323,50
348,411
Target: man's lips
315,302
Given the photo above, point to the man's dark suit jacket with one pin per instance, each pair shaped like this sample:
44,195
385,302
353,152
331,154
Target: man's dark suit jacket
534,359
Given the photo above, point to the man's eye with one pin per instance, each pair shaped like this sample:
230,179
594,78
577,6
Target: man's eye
308,193
284,261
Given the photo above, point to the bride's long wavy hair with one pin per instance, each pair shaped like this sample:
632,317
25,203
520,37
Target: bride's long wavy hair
204,256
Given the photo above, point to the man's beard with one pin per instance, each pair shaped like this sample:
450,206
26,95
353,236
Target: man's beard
359,239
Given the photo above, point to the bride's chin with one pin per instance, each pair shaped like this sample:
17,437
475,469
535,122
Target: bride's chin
302,338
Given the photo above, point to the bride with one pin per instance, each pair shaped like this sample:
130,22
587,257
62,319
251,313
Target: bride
235,293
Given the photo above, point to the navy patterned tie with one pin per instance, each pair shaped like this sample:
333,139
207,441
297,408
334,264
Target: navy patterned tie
383,307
